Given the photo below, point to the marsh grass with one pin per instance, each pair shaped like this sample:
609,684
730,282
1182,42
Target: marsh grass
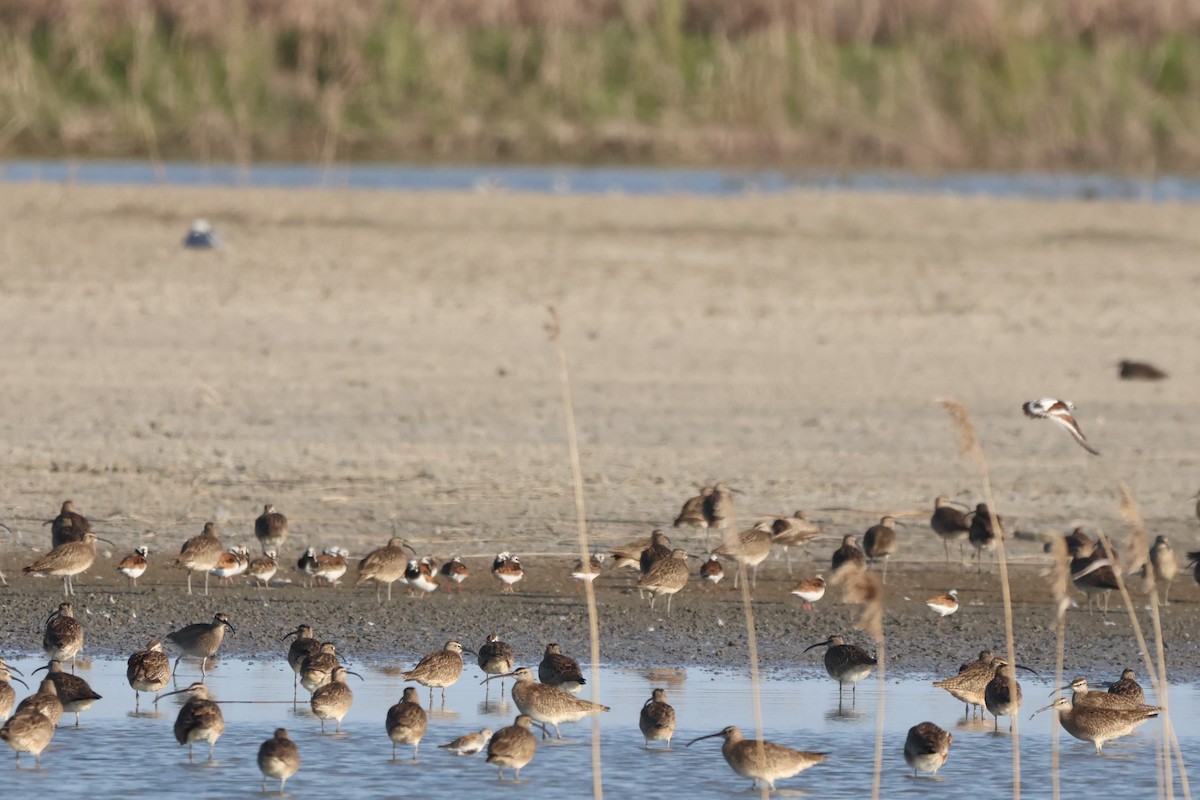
1060,587
861,586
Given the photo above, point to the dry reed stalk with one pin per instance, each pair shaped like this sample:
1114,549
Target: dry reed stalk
1060,582
968,443
862,586
732,538
554,332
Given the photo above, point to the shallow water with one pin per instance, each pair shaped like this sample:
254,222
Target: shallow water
602,180
116,751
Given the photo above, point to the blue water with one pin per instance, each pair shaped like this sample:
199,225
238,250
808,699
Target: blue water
578,180
115,752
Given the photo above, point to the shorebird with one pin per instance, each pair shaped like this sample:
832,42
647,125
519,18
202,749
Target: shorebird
750,548
943,604
317,669
439,669
657,719
307,564
199,720
559,669
547,704
1097,724
1193,561
718,507
949,524
148,670
68,526
513,747
201,236
793,531
271,529
385,565
508,569
455,572
133,566
845,663
625,555
1165,564
973,678
879,542
587,573
200,554
44,701
1128,686
300,649
1081,695
29,732
658,549
982,533
1139,371
711,571
1093,574
927,747
278,757
495,658
8,695
692,514
332,701
667,576
810,590
73,692
201,640
63,637
406,722
331,566
469,744
775,763
262,569
422,576
67,560
1002,695
230,564
1058,411
848,553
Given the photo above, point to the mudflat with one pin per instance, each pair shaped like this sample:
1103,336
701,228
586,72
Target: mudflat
377,362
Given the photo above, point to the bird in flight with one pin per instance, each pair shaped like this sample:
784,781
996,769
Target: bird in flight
1058,411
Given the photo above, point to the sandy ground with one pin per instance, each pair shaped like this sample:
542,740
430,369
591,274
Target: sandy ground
369,360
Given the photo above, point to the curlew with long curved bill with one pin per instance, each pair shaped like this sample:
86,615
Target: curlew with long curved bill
63,637
201,553
496,658
439,669
950,524
513,747
333,700
385,565
750,548
44,701
559,669
406,722
68,560
1097,724
148,670
657,719
927,747
200,719
8,695
28,732
763,761
845,663
547,704
73,692
278,757
201,640
879,543
666,576
793,531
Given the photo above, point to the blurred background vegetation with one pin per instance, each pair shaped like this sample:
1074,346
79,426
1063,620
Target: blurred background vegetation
1108,85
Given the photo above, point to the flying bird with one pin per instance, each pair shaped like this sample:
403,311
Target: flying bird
1058,411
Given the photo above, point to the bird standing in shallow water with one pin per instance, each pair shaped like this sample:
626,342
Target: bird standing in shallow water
790,531
927,747
68,526
776,762
439,669
148,670
560,670
657,719
199,720
333,700
1097,724
406,722
28,732
201,640
468,744
513,747
278,757
845,663
1127,686
1002,696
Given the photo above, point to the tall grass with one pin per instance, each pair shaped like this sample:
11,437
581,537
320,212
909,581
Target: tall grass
923,84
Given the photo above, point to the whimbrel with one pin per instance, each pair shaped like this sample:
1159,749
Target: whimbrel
1165,564
1082,696
73,692
199,720
44,701
658,549
629,554
1128,686
8,695
657,719
560,670
200,554
750,548
949,524
927,747
468,744
455,572
148,670
262,569
718,507
278,757
1092,573
810,590
879,542
333,700
299,650
792,531
68,526
133,566
547,704
201,640
28,732
513,747
271,529
406,722
63,637
67,560
385,565
1002,695
666,576
507,568
496,658
587,573
439,669
982,533
711,571
775,763
849,553
317,669
1139,371
973,678
845,663
1097,724
943,604
692,514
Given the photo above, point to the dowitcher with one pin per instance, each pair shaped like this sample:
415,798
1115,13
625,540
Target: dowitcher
848,553
793,531
278,757
1165,564
711,571
439,669
718,507
1097,724
508,569
1058,412
317,669
845,663
982,533
657,719
28,732
332,701
1127,686
750,548
201,640
1093,574
200,554
262,569
331,566
1139,371
44,701
406,722
1002,695
587,573
230,564
300,649
200,719
667,576
385,565
1081,696
692,514
513,747
468,744
879,542
659,548
133,566
496,658
67,560
927,747
455,572
559,669
810,590
774,763
271,529
73,692
547,704
148,670
8,695
68,526
943,604
63,637
949,524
